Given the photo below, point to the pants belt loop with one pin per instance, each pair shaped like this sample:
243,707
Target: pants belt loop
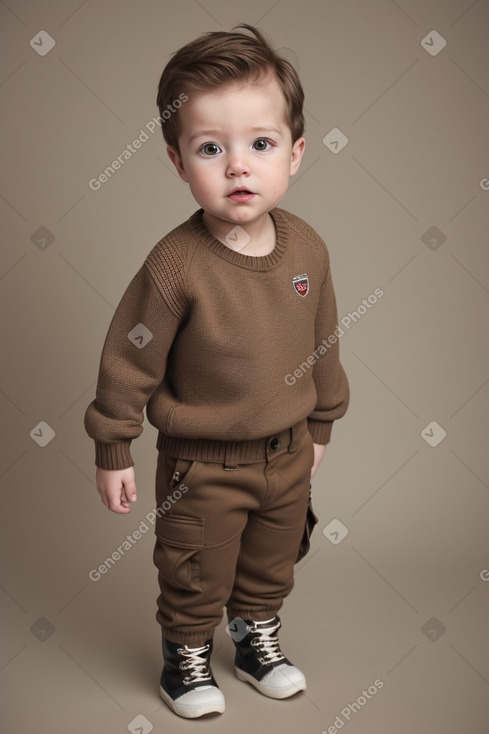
295,436
291,439
229,457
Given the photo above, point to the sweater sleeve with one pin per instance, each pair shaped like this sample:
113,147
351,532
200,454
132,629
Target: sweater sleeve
132,365
329,376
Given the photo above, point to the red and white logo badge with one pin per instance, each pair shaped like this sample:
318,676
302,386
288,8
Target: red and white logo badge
301,285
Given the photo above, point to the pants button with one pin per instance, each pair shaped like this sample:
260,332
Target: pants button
274,444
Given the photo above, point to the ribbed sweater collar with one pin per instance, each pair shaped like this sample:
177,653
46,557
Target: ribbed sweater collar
249,262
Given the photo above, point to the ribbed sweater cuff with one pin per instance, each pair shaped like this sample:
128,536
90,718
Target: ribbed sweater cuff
320,430
113,456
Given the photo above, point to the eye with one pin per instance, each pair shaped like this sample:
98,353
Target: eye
261,144
210,149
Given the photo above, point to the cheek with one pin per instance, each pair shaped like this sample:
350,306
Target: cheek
279,177
203,176
278,168
202,185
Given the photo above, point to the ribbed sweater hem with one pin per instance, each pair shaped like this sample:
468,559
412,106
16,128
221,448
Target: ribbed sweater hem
229,452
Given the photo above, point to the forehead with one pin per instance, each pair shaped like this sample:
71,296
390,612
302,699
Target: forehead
236,104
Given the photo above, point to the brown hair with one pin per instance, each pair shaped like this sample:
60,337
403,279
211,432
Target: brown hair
217,58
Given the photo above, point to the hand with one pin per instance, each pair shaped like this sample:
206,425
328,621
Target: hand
117,488
319,451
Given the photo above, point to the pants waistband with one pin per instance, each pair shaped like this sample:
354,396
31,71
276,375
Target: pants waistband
232,453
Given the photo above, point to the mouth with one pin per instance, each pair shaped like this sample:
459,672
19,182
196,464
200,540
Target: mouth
240,194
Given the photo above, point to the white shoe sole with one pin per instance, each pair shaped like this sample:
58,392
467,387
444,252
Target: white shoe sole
194,711
286,692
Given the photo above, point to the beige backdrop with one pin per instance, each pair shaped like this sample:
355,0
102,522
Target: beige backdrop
393,598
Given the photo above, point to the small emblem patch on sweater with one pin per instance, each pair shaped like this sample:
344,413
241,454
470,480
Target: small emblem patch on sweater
301,285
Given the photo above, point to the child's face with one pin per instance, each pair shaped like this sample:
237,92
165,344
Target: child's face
237,137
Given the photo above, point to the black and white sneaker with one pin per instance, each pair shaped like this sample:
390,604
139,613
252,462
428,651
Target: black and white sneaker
260,661
187,685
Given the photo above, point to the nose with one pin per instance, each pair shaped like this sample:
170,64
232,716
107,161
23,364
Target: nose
237,164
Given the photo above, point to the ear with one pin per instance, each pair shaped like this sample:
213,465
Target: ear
176,159
296,155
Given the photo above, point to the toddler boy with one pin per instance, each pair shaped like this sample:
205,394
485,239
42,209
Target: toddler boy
227,336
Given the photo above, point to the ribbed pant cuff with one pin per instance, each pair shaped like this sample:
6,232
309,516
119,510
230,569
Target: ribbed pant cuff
195,638
259,614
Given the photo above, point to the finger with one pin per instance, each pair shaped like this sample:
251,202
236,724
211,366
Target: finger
114,499
118,505
129,491
125,501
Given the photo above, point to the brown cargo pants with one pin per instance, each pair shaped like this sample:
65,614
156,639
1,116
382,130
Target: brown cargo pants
228,531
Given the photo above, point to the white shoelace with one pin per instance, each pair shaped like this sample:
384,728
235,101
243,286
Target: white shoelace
197,668
267,643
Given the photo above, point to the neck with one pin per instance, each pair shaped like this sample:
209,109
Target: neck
259,236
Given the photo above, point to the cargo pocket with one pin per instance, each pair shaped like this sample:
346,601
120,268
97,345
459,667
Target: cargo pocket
311,522
179,542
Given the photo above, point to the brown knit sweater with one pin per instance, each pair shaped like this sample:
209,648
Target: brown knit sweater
220,346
